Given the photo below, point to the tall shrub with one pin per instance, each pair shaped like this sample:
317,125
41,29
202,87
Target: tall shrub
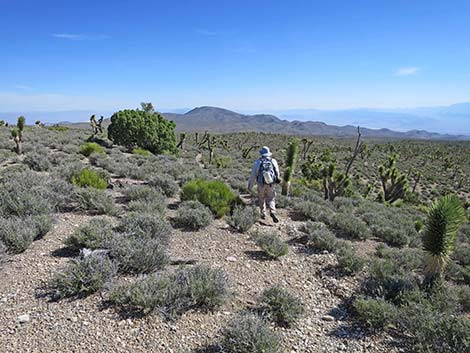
145,129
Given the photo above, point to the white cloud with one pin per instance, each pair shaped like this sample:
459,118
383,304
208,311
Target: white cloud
77,36
23,87
407,71
206,32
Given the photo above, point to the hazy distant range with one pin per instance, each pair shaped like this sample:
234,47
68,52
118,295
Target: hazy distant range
446,120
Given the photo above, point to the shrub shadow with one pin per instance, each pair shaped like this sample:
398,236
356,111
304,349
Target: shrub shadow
65,252
258,255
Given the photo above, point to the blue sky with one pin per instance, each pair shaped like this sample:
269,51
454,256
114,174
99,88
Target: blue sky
242,55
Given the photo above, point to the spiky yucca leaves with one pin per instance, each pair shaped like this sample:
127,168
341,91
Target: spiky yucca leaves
444,219
291,163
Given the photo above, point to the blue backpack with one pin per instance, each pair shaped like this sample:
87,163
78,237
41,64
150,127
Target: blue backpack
266,174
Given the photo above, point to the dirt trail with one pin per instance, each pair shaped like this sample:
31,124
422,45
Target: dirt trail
81,325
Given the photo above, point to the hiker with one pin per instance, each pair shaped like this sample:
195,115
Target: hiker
266,173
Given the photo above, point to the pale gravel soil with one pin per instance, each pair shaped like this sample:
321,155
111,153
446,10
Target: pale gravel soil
83,325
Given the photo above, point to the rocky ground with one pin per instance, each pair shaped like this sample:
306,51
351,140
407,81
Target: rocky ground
29,322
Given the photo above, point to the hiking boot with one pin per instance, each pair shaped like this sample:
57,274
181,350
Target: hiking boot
275,219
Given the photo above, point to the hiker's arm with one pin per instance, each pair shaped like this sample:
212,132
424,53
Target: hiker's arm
253,176
276,170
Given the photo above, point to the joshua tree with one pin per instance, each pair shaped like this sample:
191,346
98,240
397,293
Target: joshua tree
395,185
182,140
147,107
96,126
246,150
2,123
444,219
291,163
306,144
17,134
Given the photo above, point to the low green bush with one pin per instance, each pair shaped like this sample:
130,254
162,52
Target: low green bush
89,178
243,218
145,225
137,255
319,237
375,313
17,234
165,183
272,245
198,287
141,152
348,260
281,306
349,226
193,215
315,212
213,194
37,161
83,276
90,147
95,201
93,235
249,334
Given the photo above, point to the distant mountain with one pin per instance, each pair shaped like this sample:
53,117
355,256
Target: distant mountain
225,121
453,119
394,123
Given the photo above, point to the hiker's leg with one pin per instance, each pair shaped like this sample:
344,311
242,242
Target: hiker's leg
262,199
271,198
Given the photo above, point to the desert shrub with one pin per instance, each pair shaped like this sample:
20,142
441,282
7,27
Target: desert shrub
396,226
213,194
345,204
42,223
3,252
61,194
347,225
431,325
281,306
375,313
145,225
243,218
83,276
462,294
315,212
348,260
387,280
147,201
148,130
319,237
89,178
93,235
193,215
91,147
24,194
17,234
95,201
407,259
272,245
198,287
139,192
165,183
38,162
137,255
141,152
461,254
249,334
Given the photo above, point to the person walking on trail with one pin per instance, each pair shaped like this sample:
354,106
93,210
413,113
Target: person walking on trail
266,174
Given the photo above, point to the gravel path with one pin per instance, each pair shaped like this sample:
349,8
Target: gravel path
30,323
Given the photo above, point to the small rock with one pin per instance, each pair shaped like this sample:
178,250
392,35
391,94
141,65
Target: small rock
328,318
23,318
231,258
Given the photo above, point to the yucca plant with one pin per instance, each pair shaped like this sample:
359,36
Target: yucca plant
291,163
17,134
444,219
